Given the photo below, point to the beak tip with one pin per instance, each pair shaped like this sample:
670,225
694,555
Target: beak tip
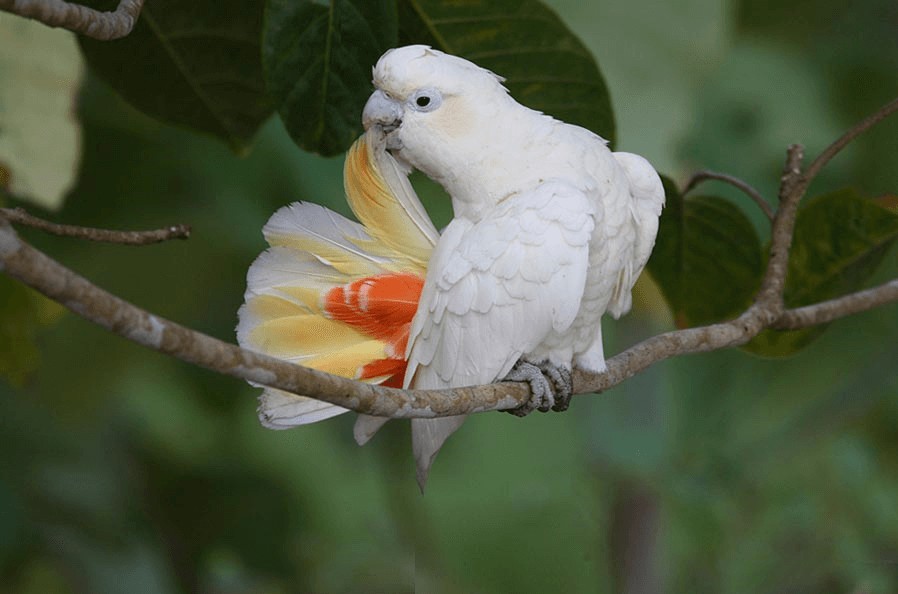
381,110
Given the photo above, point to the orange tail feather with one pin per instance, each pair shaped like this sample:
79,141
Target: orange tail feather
381,307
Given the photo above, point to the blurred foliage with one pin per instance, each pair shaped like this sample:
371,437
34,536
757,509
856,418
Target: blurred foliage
40,139
122,470
23,312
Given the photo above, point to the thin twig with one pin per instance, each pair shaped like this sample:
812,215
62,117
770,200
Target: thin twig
20,217
746,188
104,26
836,147
827,311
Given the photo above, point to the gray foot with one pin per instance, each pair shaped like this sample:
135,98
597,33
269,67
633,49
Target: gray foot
541,396
550,387
562,382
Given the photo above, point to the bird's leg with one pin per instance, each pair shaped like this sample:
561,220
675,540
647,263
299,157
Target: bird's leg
550,386
562,382
542,397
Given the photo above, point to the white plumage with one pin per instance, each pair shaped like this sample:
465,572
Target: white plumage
551,228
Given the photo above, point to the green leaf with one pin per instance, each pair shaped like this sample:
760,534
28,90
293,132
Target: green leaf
318,60
40,139
195,64
545,65
22,313
707,259
840,239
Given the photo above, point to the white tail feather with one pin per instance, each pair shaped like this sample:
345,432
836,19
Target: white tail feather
282,410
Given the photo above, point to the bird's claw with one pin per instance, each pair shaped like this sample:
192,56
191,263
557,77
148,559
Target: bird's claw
550,387
562,382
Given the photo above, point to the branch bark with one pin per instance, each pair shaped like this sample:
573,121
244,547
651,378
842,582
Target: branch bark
104,26
21,261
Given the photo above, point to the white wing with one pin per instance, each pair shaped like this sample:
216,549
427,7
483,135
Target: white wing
495,290
646,201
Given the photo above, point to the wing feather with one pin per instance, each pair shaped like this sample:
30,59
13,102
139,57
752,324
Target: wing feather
534,280
494,291
646,201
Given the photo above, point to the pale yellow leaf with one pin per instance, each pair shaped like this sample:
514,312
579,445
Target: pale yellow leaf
40,139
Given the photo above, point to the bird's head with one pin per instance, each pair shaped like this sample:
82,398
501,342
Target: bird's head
433,107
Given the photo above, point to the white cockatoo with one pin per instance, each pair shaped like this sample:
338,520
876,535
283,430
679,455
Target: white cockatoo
550,231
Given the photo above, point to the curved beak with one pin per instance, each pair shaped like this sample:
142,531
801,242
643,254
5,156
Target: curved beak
382,111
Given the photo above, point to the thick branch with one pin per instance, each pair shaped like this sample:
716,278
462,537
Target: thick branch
33,268
104,26
23,262
20,217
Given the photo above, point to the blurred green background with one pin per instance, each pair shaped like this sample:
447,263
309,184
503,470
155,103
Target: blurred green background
124,471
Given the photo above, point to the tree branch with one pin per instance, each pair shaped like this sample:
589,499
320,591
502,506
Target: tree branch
20,217
23,262
104,26
827,311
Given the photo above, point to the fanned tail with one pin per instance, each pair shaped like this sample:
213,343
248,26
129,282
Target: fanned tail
336,295
382,198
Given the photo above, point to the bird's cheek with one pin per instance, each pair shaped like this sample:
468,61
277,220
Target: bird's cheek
453,119
414,144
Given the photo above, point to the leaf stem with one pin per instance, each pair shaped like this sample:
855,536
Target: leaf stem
742,185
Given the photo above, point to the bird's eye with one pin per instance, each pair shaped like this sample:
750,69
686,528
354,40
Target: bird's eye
426,100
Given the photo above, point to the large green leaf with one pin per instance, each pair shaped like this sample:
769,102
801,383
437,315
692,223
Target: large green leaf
840,239
194,63
545,65
40,139
318,60
707,259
